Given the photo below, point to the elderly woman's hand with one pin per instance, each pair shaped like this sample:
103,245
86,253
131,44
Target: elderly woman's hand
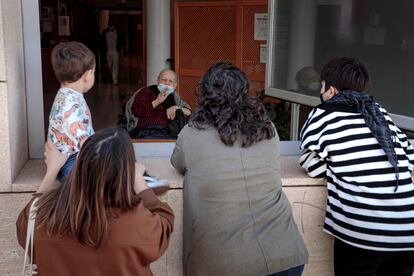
171,112
160,98
186,111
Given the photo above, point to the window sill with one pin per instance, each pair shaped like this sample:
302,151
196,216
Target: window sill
292,174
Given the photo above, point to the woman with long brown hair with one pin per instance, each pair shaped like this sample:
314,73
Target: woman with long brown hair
237,220
103,220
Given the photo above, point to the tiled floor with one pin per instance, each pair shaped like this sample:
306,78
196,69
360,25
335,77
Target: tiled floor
11,255
105,104
105,99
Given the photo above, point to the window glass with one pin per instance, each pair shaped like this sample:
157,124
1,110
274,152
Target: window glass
308,33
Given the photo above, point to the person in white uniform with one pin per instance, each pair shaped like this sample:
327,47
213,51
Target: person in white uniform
111,38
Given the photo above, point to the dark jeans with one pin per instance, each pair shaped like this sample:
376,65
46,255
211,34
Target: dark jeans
67,167
294,271
350,260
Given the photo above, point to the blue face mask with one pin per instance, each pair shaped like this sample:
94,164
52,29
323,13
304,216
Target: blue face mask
314,86
163,87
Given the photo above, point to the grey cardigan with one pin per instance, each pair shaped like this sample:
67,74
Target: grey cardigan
237,219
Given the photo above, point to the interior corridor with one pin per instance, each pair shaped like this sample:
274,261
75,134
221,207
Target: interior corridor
105,99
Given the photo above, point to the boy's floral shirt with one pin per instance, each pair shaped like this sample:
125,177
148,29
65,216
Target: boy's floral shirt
70,121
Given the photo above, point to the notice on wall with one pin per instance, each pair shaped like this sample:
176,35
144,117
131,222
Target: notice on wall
64,27
260,26
263,53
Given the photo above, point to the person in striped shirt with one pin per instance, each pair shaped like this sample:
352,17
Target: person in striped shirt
350,140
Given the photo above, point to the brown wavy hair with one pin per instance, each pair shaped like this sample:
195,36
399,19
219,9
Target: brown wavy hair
102,178
224,102
70,60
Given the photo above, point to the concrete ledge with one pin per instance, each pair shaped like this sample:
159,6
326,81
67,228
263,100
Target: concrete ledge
30,176
292,174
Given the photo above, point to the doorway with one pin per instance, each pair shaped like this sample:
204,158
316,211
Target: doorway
84,21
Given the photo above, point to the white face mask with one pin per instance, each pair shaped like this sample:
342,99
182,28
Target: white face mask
163,87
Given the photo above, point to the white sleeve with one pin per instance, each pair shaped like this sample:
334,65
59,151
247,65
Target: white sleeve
314,152
313,164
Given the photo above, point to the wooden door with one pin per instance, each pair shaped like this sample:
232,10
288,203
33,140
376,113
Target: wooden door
208,32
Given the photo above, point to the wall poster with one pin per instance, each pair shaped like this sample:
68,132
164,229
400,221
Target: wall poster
260,26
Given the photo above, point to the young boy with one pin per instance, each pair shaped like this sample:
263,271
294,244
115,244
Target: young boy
70,121
367,161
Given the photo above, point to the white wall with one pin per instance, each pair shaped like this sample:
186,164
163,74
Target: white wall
158,37
13,125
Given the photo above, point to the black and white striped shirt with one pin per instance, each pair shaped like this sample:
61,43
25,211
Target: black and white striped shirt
363,208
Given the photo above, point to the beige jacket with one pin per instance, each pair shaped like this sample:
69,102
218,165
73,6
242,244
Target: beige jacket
237,220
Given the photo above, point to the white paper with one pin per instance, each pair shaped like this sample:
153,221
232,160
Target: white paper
260,26
263,53
64,26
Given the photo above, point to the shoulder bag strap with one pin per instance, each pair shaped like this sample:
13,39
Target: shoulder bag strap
30,237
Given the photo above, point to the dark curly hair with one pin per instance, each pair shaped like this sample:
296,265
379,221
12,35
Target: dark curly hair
224,102
346,73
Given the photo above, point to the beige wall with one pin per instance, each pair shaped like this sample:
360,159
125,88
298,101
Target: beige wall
13,119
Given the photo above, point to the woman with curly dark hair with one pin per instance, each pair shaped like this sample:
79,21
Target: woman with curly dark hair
237,220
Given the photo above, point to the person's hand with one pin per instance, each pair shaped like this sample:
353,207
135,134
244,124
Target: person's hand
171,112
186,111
53,158
140,183
54,161
160,98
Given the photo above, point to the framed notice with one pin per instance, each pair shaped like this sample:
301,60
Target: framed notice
263,53
260,26
64,26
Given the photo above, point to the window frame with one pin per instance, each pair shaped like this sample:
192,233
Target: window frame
33,78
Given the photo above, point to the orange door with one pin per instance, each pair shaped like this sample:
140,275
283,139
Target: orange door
208,32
